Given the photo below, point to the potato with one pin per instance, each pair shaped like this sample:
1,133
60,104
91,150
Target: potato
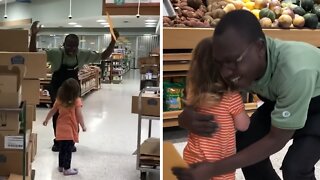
275,24
222,4
183,4
166,25
265,22
285,21
166,19
183,18
207,18
229,8
208,14
179,25
221,13
210,7
203,8
187,8
277,11
238,4
215,22
298,21
273,4
185,13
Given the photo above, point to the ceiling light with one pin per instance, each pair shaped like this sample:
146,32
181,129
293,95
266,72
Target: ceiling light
92,43
105,23
147,34
101,20
72,23
151,20
106,26
77,25
149,23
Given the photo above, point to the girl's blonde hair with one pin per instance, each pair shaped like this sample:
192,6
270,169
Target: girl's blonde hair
68,92
205,86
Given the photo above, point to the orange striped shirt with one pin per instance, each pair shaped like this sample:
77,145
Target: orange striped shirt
222,144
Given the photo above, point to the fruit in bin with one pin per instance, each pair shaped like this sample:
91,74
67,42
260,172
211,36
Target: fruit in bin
285,21
260,4
238,4
299,10
256,12
265,22
277,11
273,4
265,12
307,4
298,21
245,1
311,20
249,5
316,10
245,8
289,12
229,7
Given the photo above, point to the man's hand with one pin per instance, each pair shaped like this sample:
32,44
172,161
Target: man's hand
200,124
197,171
35,28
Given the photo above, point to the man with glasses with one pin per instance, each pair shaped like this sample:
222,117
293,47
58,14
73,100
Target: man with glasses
286,76
66,62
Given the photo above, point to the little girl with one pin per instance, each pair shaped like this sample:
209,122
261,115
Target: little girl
68,104
208,94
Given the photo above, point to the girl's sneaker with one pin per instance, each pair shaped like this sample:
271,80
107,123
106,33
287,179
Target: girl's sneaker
60,169
70,171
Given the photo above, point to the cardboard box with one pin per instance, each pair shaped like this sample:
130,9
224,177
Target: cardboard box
19,177
152,68
34,62
30,91
8,82
171,158
30,116
33,141
14,40
149,60
9,121
13,141
150,104
12,162
11,99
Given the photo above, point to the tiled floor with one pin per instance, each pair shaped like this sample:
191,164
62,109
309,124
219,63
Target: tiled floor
105,150
178,137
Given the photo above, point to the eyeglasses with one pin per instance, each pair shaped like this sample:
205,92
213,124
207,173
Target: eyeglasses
235,63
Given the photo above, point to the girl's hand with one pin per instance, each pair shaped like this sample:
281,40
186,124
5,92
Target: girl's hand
45,123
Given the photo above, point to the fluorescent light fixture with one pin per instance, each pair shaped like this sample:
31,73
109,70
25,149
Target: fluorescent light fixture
72,23
147,34
101,21
151,20
77,25
106,26
105,23
149,23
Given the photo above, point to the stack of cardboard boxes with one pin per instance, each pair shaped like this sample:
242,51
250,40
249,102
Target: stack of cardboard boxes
20,71
149,70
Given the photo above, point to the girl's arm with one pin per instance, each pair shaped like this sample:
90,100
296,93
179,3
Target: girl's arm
50,114
80,118
242,121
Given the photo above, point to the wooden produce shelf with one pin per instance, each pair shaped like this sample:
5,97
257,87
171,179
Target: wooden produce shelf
188,38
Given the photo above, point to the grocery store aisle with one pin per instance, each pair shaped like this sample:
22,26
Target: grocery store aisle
105,150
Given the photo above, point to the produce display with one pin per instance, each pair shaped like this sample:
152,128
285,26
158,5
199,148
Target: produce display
270,13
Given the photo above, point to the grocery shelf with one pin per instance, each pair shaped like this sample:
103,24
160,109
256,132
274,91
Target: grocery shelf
187,38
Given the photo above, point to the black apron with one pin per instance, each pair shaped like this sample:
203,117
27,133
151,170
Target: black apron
63,73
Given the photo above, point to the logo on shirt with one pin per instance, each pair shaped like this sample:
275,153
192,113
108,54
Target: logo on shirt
286,114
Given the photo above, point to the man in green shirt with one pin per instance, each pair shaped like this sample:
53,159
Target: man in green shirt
286,75
66,62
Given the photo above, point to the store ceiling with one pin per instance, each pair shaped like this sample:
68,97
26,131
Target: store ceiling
100,21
